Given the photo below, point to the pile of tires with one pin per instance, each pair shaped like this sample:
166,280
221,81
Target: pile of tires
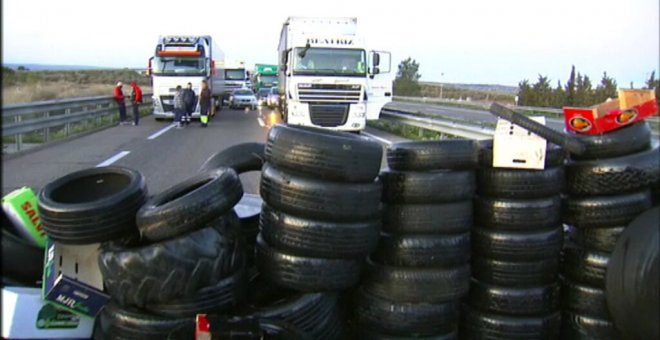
320,219
414,280
607,187
516,244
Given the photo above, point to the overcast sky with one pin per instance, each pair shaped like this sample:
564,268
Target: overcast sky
464,41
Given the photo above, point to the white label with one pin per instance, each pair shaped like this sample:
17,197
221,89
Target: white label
515,147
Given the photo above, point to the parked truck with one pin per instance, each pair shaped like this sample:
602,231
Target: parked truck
179,60
326,76
265,76
234,76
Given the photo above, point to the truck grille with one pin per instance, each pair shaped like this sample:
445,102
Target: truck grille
328,115
330,93
167,107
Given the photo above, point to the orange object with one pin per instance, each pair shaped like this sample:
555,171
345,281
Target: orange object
630,107
179,53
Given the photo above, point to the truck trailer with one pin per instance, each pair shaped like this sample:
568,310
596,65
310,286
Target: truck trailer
265,76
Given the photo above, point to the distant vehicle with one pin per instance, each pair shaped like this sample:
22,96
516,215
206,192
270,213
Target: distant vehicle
242,98
265,76
273,99
235,77
262,95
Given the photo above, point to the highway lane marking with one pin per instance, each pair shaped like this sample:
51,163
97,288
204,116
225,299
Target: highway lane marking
113,159
161,131
261,122
380,139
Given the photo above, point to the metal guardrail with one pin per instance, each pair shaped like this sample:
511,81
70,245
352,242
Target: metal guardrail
469,131
19,120
480,105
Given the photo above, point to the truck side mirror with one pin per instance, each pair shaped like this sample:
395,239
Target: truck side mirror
376,70
376,59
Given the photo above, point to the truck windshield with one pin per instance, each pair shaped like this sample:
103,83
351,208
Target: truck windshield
267,79
179,66
330,61
238,74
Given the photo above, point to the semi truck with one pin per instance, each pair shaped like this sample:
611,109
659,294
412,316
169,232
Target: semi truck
265,76
179,60
234,76
327,76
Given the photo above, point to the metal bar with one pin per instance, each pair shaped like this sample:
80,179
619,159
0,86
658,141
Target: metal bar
442,126
24,127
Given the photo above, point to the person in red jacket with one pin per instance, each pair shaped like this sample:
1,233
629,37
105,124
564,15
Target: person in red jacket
119,98
136,97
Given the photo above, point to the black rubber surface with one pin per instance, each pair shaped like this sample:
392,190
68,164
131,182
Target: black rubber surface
584,300
620,142
479,325
423,250
509,183
517,214
438,186
242,158
517,245
452,154
601,239
22,262
115,322
521,301
604,211
585,266
583,327
428,218
515,273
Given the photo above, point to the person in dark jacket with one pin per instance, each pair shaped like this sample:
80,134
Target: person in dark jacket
121,105
204,103
136,97
189,100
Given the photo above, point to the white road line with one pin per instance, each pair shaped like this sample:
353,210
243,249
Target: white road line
261,121
113,159
380,139
162,131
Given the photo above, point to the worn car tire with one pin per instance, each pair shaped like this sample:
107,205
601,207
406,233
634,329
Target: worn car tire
584,300
582,327
323,154
554,154
189,205
476,324
404,318
517,245
604,211
423,250
455,217
438,186
515,273
306,274
518,214
242,158
431,285
369,334
22,261
521,301
633,278
585,266
620,142
601,239
116,322
185,265
510,183
305,237
451,154
614,176
92,205
311,198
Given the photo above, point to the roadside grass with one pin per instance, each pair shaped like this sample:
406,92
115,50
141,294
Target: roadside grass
407,131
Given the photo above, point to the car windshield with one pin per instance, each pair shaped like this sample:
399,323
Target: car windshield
263,92
243,93
275,90
179,66
329,61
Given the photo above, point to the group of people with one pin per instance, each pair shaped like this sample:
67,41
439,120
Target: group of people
136,100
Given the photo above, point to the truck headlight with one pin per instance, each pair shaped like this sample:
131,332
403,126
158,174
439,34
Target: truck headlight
360,110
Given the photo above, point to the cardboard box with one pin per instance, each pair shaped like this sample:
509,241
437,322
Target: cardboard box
630,107
21,208
26,316
515,147
72,278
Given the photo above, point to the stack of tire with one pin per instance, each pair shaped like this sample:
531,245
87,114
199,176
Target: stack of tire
189,258
415,278
607,187
516,244
320,219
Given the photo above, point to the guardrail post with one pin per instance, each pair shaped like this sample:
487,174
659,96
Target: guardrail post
46,130
19,137
67,126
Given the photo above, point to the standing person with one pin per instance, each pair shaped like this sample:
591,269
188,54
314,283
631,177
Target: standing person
136,97
189,100
119,98
204,103
179,107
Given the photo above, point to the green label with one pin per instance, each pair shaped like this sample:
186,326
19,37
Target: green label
51,317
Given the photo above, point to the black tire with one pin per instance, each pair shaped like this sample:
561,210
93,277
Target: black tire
584,300
583,327
517,245
248,210
250,327
517,214
242,158
479,325
601,239
438,186
431,250
605,211
115,322
186,264
614,176
330,201
323,154
585,266
620,142
633,278
22,262
520,301
554,155
368,334
306,274
404,318
92,205
219,298
416,285
314,238
452,154
189,205
453,217
515,274
509,183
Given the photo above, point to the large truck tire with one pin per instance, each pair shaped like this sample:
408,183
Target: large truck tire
515,273
620,142
517,245
521,301
438,186
451,154
242,158
509,183
476,324
189,205
518,214
453,217
423,250
323,154
92,205
605,211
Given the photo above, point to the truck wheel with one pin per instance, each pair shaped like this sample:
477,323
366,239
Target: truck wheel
441,218
518,214
452,154
605,211
517,245
430,250
515,273
438,186
476,324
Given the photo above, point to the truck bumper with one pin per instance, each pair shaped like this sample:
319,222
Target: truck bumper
300,114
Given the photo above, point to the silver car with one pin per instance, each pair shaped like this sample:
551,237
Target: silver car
273,97
242,98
